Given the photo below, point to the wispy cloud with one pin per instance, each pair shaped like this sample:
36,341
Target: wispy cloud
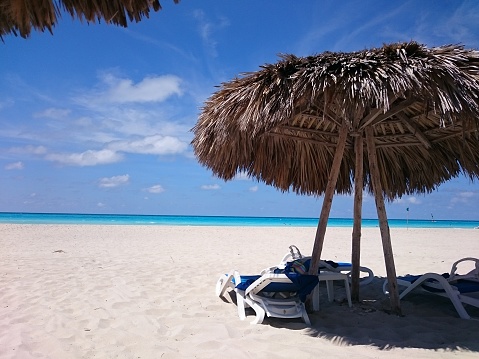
115,181
206,29
253,189
462,25
408,200
34,150
166,47
53,113
463,197
156,189
456,22
210,187
4,103
372,25
115,117
242,176
87,158
413,200
151,145
14,166
115,150
116,90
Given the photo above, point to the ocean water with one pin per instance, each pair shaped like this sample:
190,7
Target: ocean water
118,219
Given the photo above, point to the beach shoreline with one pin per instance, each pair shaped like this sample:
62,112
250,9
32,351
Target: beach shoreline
220,221
133,291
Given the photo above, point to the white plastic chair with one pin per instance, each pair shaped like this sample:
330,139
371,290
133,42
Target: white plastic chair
264,304
460,289
344,268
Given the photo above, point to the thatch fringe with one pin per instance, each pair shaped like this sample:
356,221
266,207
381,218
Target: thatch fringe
19,17
279,124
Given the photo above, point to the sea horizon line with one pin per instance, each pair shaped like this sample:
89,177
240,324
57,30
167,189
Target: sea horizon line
218,220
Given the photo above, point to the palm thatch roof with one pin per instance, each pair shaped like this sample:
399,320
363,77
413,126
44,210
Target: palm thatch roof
280,124
18,17
300,125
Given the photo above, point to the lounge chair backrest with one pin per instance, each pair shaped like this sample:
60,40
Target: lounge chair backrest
472,275
293,254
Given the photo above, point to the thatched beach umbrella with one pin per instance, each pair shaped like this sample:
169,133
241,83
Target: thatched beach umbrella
20,16
300,124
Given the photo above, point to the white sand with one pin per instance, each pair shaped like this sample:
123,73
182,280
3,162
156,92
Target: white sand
88,291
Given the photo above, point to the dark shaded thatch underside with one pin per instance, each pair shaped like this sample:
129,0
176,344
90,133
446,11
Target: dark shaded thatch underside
280,124
19,17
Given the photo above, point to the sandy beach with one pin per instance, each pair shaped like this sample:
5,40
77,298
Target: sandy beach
105,291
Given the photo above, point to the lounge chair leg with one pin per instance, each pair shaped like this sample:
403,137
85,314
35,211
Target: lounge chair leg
306,317
456,301
330,288
315,298
241,304
224,282
260,313
241,307
348,292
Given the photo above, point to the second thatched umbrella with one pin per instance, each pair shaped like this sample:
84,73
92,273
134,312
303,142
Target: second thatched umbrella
300,125
20,16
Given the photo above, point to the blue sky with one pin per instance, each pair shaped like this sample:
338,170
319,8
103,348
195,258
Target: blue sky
97,118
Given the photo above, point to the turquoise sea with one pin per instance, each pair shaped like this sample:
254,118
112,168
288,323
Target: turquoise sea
75,218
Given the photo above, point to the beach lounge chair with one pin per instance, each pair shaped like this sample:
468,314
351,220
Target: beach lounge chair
460,289
279,295
327,265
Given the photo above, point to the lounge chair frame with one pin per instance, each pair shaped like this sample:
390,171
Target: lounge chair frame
294,254
439,285
290,307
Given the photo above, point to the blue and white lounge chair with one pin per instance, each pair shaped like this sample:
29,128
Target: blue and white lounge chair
459,288
279,295
330,266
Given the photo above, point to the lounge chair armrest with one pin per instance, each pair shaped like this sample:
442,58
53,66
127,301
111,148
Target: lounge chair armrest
270,270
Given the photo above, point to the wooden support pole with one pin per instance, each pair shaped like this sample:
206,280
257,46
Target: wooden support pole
358,203
383,222
328,200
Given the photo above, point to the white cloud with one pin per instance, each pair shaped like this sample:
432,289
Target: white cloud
413,200
466,194
87,158
151,145
150,89
34,150
100,204
156,189
210,187
14,166
115,181
4,103
463,197
461,24
207,28
53,113
242,176
253,189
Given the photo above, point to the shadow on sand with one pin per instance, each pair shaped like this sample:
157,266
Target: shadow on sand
428,322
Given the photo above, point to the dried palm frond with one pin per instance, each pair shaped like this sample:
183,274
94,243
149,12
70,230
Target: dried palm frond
18,17
280,124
